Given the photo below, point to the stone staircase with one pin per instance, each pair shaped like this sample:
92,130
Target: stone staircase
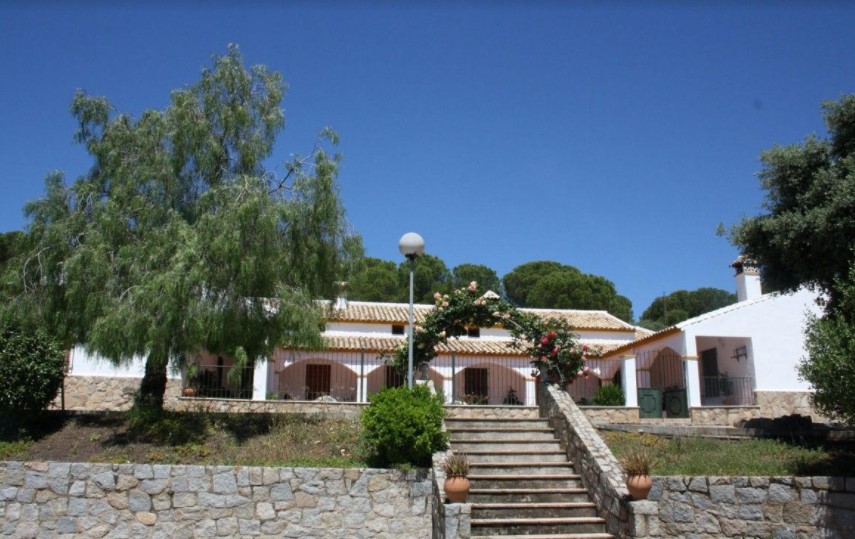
523,486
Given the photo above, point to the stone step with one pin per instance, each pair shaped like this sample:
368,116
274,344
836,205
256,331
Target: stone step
528,495
491,412
487,444
453,424
521,468
552,536
502,481
520,526
533,510
465,434
478,456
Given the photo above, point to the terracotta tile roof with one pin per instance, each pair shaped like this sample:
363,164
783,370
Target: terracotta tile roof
363,311
389,343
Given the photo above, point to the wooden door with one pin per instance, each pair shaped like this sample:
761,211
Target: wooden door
317,381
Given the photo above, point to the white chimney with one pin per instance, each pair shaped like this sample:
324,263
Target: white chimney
747,279
341,300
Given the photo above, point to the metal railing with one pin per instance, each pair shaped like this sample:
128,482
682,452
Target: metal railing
213,381
727,391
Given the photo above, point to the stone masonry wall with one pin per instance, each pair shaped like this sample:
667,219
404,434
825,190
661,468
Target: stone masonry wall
726,416
40,499
103,393
783,403
610,414
240,406
776,507
491,412
601,473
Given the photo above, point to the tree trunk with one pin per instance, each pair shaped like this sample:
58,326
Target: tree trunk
153,384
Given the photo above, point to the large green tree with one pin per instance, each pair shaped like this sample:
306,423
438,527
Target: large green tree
431,275
486,277
551,285
681,305
806,236
374,279
177,239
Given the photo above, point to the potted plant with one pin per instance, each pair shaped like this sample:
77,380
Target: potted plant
637,463
456,468
189,390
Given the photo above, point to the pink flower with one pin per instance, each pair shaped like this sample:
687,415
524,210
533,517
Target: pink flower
554,352
584,347
551,334
437,295
579,373
544,341
445,304
473,286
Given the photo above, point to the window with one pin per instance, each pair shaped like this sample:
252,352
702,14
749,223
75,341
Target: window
397,329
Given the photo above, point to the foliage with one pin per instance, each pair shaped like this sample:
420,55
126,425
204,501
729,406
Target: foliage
548,341
486,277
637,461
610,395
551,285
31,369
807,238
456,465
430,274
681,305
178,240
404,426
807,235
374,279
511,398
830,367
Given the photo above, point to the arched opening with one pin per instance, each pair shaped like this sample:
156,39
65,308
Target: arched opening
486,382
311,379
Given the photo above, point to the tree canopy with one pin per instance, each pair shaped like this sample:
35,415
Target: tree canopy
177,239
486,277
374,279
807,237
551,285
681,305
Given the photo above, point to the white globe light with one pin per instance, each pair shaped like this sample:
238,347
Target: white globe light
411,245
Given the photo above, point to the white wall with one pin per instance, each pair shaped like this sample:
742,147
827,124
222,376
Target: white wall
84,364
775,326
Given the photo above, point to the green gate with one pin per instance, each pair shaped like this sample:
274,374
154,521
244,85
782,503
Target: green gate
676,403
649,402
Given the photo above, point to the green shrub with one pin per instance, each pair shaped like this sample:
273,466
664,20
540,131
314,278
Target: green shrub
610,395
403,426
31,366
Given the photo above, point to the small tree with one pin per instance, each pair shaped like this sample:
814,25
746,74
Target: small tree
31,366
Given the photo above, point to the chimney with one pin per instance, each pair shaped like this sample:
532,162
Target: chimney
747,279
341,300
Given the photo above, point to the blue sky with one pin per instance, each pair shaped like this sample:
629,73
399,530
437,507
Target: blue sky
613,137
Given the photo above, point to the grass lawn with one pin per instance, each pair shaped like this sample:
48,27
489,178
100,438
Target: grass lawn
187,438
683,455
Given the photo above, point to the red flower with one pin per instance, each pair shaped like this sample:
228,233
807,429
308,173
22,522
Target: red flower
551,334
554,352
544,341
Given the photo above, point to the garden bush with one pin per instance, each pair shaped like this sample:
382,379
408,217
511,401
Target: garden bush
610,395
403,426
31,369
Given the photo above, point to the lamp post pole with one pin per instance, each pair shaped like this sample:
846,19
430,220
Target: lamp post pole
411,245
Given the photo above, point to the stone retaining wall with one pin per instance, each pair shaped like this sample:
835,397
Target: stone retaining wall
601,473
610,414
783,403
727,416
242,406
777,507
40,499
454,411
104,393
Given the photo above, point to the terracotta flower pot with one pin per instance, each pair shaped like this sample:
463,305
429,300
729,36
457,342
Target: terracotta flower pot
189,392
456,489
639,486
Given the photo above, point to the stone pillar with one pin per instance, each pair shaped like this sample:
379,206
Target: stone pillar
629,382
259,380
693,381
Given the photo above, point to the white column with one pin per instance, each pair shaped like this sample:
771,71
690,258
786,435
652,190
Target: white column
446,389
530,391
693,381
361,388
259,380
629,382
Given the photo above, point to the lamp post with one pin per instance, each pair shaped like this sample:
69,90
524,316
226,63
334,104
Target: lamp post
411,246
